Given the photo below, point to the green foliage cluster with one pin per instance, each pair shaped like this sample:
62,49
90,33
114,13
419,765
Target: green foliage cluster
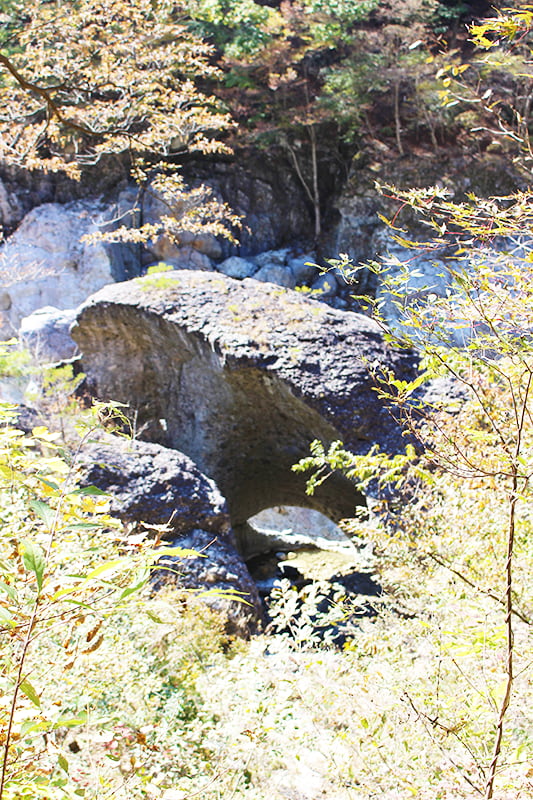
238,29
462,498
469,490
61,575
446,14
96,677
242,30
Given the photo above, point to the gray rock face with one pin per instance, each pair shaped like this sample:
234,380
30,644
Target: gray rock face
153,484
162,487
45,262
257,187
10,211
241,376
46,334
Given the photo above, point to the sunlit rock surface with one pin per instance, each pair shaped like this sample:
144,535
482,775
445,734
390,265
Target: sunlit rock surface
46,261
241,376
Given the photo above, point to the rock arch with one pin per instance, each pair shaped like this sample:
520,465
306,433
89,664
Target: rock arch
241,377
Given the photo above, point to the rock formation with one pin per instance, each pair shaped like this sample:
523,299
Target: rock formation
240,376
45,334
46,263
165,489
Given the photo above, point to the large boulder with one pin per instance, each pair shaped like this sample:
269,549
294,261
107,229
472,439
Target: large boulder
46,263
155,485
241,376
163,488
46,334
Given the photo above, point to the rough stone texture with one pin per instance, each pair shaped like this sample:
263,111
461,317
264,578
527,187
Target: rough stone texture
205,243
27,189
189,258
182,255
244,375
152,484
257,186
188,252
10,211
46,334
45,263
357,226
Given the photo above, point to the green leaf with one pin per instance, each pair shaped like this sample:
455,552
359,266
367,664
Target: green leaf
84,526
63,763
153,616
107,566
34,560
71,722
132,589
9,590
44,512
228,594
90,490
48,482
30,725
27,689
177,552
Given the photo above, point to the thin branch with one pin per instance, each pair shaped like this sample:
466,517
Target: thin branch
501,601
40,91
489,786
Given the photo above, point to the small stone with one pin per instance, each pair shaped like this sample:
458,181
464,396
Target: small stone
281,276
272,257
236,267
303,268
189,258
46,334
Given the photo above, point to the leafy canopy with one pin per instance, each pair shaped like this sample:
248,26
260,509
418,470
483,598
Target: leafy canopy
98,77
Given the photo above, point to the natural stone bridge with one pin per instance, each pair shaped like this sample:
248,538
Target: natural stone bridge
241,377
